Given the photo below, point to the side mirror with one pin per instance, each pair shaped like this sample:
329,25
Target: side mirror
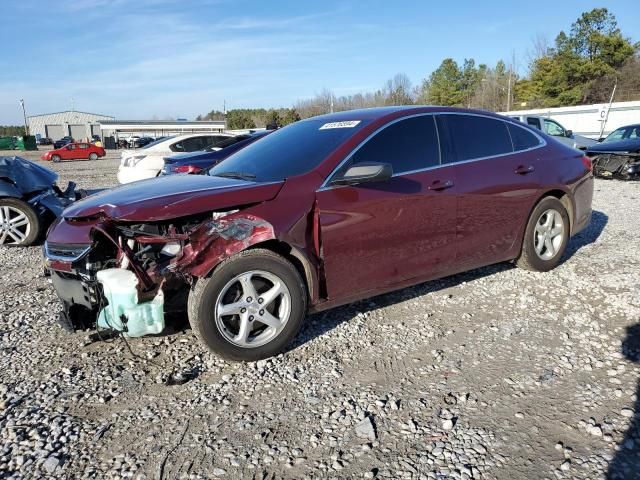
365,173
601,139
69,147
569,133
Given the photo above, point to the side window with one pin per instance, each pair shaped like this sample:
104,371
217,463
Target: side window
553,128
408,145
83,146
521,138
471,136
177,147
635,133
534,122
194,144
214,140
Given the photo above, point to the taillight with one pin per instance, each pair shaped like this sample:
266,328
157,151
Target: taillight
586,161
187,169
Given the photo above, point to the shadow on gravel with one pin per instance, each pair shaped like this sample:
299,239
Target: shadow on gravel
320,323
589,235
626,463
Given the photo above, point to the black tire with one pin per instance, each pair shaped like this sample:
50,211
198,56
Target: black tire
93,156
203,297
35,224
55,158
529,259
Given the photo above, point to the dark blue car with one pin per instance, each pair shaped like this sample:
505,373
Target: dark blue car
196,162
618,155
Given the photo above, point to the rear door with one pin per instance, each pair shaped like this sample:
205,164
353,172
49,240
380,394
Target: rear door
377,235
496,185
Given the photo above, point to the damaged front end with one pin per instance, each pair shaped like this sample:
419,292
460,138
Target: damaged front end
132,274
621,166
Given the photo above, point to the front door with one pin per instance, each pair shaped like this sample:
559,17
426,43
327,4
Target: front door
377,235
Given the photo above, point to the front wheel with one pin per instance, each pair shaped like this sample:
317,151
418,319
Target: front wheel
55,158
19,223
93,156
250,308
546,236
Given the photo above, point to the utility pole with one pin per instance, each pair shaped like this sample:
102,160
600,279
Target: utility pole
509,90
604,120
24,114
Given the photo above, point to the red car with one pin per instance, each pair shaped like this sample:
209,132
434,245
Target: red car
74,151
323,212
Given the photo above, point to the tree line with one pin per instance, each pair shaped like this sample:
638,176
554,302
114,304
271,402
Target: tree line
11,131
581,66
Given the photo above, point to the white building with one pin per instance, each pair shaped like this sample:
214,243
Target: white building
588,120
78,125
157,128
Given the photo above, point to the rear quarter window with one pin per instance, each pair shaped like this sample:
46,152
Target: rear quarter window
521,138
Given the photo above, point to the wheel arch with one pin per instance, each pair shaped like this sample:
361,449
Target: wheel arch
297,258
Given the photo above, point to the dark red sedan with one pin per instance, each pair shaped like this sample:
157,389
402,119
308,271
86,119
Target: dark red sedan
321,213
74,151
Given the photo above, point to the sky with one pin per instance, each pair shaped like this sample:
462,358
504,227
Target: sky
143,59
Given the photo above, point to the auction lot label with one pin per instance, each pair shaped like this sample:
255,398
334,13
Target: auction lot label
348,124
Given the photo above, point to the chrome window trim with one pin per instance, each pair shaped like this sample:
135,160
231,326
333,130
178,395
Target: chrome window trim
543,143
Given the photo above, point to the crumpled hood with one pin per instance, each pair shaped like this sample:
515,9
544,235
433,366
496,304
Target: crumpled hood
26,176
629,145
175,196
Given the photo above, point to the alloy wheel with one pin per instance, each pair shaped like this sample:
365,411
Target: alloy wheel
253,308
14,226
548,234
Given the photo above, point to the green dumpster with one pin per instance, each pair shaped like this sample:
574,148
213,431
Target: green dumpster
26,143
7,143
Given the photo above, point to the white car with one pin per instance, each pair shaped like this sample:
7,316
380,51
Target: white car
553,128
147,162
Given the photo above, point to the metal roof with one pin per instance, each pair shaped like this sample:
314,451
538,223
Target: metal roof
70,111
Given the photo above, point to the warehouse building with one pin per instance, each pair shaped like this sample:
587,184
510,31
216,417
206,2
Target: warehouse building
157,128
78,125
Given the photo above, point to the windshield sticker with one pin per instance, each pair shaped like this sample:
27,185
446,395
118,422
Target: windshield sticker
348,124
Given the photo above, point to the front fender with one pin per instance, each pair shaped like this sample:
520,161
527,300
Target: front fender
9,190
218,239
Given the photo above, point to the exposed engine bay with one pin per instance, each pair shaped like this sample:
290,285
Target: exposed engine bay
121,282
621,166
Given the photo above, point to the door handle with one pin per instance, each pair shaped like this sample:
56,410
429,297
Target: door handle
523,170
439,185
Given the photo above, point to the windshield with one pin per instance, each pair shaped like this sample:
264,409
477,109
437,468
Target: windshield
148,145
623,134
290,151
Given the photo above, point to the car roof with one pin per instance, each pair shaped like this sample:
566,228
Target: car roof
377,113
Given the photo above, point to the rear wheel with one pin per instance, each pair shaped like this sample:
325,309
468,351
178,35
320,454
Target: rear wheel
93,156
19,223
250,308
55,158
546,236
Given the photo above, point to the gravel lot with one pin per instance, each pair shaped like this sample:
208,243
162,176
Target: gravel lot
496,373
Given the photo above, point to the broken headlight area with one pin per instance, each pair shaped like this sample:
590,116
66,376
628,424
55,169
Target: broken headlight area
623,166
133,274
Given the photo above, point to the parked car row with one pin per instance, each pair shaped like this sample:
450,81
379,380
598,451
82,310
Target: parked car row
148,161
323,212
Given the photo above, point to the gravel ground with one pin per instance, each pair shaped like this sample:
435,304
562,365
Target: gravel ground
496,373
